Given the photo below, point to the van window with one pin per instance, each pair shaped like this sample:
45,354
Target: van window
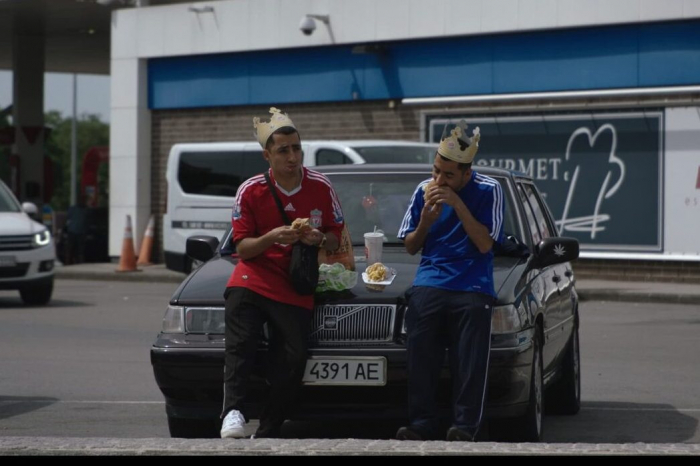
397,154
218,173
331,157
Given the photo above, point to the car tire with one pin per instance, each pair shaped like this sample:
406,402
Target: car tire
564,397
193,428
529,427
37,295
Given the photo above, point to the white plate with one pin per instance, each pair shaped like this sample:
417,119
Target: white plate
392,275
329,370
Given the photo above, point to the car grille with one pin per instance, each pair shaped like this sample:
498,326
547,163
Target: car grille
361,324
15,243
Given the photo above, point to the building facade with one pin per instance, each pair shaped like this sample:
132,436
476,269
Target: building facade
598,101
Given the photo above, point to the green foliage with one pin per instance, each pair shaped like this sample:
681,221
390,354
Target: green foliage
90,132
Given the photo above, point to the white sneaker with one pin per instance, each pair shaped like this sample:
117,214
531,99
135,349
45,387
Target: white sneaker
233,425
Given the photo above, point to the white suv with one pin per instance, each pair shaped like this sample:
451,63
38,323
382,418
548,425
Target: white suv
27,253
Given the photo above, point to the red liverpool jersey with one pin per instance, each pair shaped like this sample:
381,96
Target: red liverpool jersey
255,213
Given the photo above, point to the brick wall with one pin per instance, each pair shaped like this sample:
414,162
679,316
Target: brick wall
353,120
376,120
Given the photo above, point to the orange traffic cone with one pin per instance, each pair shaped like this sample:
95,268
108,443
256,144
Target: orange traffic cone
127,262
146,245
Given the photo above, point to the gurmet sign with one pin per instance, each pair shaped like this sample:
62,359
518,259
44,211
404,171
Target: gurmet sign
601,173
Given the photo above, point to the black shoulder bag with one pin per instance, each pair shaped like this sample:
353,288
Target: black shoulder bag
303,269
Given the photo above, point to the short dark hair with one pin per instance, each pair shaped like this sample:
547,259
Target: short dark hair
286,130
462,166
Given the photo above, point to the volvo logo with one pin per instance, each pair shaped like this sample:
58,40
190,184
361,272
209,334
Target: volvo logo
330,323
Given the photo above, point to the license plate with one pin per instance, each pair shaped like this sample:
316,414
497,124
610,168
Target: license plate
7,261
345,371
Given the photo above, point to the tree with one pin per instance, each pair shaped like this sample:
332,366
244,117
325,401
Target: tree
90,132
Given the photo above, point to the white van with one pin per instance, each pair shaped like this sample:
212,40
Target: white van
202,179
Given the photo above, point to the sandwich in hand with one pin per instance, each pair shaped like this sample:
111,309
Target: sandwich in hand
301,224
427,189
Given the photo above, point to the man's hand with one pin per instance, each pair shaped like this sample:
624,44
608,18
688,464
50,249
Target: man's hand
312,237
284,235
444,195
430,214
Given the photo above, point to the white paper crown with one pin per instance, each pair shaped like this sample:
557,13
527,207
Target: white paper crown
264,129
451,148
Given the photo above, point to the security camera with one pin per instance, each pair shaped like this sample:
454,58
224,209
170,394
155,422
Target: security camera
307,25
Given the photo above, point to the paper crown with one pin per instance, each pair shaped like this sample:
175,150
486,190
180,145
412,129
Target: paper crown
451,148
264,129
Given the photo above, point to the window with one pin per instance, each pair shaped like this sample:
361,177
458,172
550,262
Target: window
397,154
331,157
534,229
539,210
7,202
218,173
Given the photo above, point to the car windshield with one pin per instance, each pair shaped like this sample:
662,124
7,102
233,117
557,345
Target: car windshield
397,154
7,201
381,200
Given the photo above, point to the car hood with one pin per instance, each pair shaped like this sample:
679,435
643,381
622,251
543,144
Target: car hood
205,286
18,223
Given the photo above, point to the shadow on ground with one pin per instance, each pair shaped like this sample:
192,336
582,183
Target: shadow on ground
11,406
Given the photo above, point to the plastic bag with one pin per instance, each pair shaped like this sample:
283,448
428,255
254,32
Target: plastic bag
334,277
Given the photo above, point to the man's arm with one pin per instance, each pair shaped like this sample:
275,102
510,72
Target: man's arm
415,240
478,233
248,248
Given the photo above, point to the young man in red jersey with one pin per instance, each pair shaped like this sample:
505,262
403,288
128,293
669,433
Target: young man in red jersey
259,290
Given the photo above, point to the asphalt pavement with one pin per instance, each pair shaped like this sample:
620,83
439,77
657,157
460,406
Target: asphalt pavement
588,289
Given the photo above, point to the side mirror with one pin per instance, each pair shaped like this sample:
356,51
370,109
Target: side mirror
30,209
556,250
201,248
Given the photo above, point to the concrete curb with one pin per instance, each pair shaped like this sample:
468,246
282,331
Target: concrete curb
637,297
15,446
588,289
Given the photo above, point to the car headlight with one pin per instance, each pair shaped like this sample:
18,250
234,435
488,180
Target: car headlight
208,320
505,319
43,238
173,322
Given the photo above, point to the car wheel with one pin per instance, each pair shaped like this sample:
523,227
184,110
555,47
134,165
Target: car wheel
528,428
37,295
564,397
193,428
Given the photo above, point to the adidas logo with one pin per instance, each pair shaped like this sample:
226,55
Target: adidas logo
289,208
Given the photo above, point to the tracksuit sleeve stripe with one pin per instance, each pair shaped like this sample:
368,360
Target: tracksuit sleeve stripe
407,222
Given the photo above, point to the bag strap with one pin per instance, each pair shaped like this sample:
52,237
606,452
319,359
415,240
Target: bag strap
277,199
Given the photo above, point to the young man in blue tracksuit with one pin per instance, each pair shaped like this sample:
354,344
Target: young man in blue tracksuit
454,218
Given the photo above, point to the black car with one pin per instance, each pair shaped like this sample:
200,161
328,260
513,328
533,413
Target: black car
357,360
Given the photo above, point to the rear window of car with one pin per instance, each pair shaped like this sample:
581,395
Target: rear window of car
218,173
397,154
